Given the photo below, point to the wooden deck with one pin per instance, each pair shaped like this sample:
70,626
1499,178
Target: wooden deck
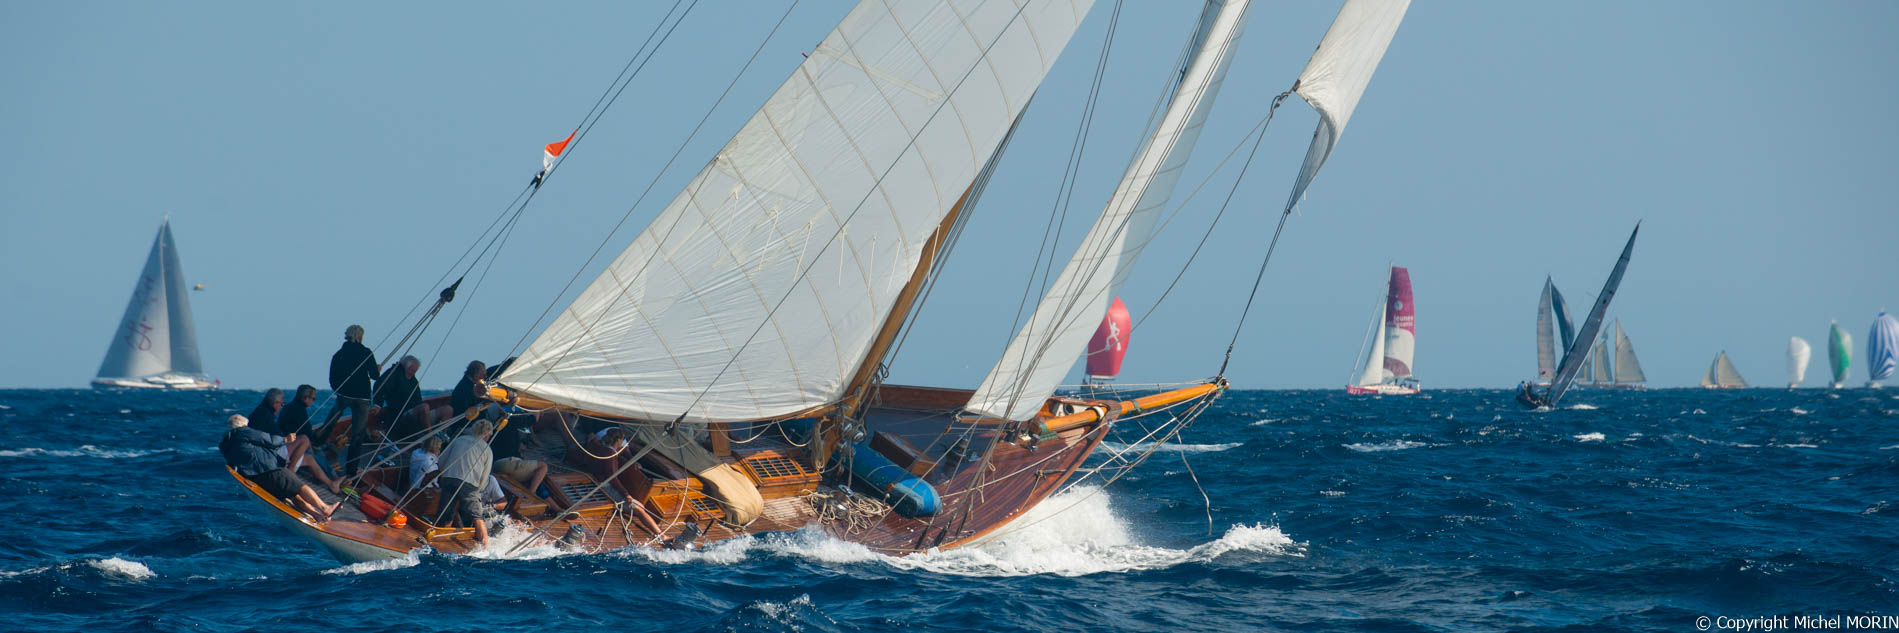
976,497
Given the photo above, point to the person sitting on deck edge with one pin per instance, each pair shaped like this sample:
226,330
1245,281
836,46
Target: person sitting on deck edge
254,454
352,368
604,454
295,416
264,417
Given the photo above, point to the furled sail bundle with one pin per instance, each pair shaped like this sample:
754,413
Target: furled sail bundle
758,290
1045,348
1797,354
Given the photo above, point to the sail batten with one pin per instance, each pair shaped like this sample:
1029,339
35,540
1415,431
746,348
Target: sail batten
1057,333
758,290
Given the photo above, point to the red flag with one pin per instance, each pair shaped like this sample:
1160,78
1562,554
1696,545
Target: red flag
553,152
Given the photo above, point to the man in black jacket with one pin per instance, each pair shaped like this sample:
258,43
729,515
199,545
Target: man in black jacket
295,416
400,394
264,417
258,456
352,368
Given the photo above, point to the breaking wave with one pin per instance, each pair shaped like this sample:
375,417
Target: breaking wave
87,450
1074,533
409,560
1589,437
1176,448
1380,447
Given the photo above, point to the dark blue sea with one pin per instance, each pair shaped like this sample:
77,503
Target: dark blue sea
1454,511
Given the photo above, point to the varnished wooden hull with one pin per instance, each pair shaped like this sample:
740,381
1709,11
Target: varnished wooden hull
1026,466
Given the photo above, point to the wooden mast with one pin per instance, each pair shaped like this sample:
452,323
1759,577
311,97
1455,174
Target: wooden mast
827,429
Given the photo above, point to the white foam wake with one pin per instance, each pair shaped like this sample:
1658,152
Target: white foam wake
87,450
1074,533
1176,448
1380,447
352,569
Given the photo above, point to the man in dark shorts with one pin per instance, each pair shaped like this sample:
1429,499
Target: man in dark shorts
257,456
465,466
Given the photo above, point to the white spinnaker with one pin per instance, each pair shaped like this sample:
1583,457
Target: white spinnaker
142,344
1338,72
1374,372
757,292
1798,353
1057,333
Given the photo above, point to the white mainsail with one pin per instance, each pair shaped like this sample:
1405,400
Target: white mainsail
1798,353
1545,334
758,290
156,336
1374,371
1057,334
1627,369
1337,74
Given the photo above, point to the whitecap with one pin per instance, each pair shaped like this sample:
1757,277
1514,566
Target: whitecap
1798,411
1589,437
1581,407
1394,445
129,569
1263,421
1177,448
1332,493
1700,412
407,560
1799,445
1889,448
86,450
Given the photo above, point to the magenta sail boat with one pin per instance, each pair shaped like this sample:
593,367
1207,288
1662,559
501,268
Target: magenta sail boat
1387,369
1109,344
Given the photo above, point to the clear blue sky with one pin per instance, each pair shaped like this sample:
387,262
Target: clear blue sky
323,162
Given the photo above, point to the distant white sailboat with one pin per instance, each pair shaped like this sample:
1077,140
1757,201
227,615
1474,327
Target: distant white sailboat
156,346
1387,368
1721,375
1628,371
1798,353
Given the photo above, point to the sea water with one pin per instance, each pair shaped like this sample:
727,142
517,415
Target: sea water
1454,510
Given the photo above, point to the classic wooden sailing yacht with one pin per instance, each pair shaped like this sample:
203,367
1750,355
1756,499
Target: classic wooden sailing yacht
156,344
1387,369
759,307
1722,375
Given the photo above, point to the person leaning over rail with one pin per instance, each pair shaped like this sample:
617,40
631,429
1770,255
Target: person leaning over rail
465,466
255,455
352,368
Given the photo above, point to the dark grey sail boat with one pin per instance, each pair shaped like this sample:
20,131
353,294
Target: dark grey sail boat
1578,350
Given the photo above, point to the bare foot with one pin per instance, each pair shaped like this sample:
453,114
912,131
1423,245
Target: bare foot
336,487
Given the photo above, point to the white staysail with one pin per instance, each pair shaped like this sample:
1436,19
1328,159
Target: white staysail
1057,333
1338,72
1798,353
1374,372
156,337
1627,369
758,290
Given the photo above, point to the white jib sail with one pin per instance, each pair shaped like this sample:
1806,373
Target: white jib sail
1374,372
1057,333
142,344
1798,353
1627,369
1336,76
758,290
